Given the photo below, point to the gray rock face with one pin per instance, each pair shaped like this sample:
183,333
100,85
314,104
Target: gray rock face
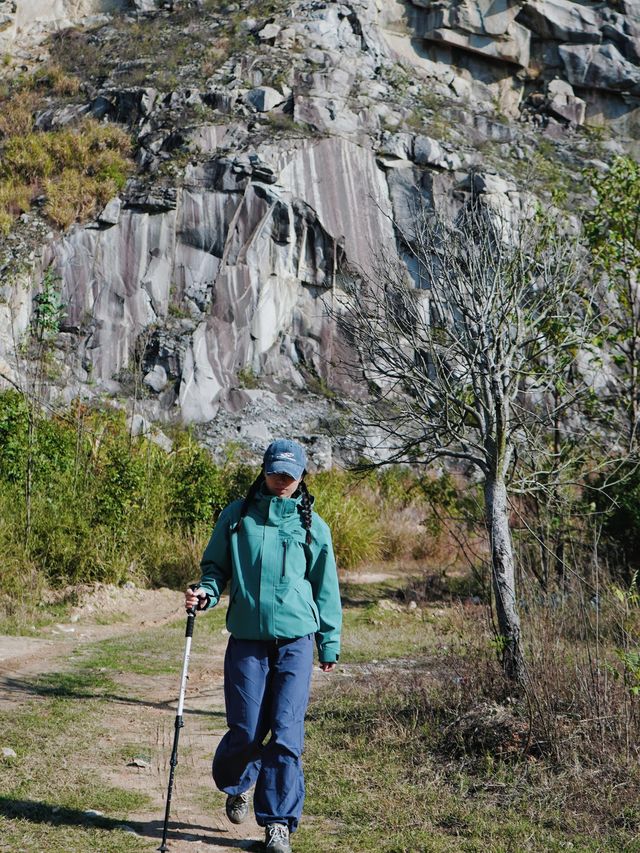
599,67
249,262
589,46
487,27
298,164
110,213
264,98
24,23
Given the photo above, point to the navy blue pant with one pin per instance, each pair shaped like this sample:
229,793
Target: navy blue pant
266,689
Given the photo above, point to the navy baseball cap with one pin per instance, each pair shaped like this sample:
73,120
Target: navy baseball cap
284,456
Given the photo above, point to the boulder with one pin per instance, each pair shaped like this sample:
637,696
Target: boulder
145,6
561,20
56,117
486,182
156,379
264,98
599,67
110,214
397,145
567,108
428,152
141,426
269,33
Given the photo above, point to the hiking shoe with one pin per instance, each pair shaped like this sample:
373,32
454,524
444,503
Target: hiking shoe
276,838
237,807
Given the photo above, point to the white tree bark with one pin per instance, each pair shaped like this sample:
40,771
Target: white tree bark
503,577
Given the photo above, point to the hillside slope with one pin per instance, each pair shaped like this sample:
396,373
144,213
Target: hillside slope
277,146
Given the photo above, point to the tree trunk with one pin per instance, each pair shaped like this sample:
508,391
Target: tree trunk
503,578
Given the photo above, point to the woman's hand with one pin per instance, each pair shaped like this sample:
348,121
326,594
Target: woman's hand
193,597
327,667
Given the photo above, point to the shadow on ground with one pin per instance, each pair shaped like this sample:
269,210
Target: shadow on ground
42,812
75,691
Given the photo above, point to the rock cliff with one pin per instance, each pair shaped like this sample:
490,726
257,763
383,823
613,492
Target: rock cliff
276,147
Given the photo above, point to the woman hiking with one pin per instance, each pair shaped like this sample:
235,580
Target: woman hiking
277,557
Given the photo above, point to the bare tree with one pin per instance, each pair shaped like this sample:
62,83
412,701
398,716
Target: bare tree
467,359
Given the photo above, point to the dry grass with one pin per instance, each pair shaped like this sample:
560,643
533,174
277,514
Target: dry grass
55,81
16,115
77,169
445,756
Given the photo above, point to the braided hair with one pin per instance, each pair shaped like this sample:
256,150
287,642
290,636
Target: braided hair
304,507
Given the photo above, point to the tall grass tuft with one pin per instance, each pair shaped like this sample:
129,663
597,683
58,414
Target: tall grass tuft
353,516
77,169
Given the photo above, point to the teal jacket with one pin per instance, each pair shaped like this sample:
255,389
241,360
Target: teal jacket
280,587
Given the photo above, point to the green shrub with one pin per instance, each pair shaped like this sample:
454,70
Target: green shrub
353,516
104,506
14,418
53,444
198,491
200,488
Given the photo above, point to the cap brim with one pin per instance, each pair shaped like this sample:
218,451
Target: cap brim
292,470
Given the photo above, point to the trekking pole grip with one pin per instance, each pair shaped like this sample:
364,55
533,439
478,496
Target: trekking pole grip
191,620
191,613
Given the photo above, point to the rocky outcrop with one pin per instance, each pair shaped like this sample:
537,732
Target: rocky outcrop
284,173
248,262
509,49
24,24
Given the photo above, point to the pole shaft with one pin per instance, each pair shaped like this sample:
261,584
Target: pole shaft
185,676
173,762
179,723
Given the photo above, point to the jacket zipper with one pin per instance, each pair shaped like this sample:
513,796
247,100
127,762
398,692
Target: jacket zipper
284,559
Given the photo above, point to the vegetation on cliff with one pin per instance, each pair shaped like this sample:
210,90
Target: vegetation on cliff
70,172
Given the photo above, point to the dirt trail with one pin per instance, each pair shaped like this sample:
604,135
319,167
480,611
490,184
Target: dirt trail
148,724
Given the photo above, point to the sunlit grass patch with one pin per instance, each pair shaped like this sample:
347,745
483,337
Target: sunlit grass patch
379,778
374,632
54,738
74,170
40,833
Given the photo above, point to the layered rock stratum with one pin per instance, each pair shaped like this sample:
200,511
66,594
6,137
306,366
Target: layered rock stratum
278,148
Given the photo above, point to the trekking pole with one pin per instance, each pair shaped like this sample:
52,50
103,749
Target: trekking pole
191,618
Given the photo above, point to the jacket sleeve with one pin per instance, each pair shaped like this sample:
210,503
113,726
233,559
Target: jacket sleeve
215,566
323,577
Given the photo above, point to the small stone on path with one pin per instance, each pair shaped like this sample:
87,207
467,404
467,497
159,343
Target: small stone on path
124,828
